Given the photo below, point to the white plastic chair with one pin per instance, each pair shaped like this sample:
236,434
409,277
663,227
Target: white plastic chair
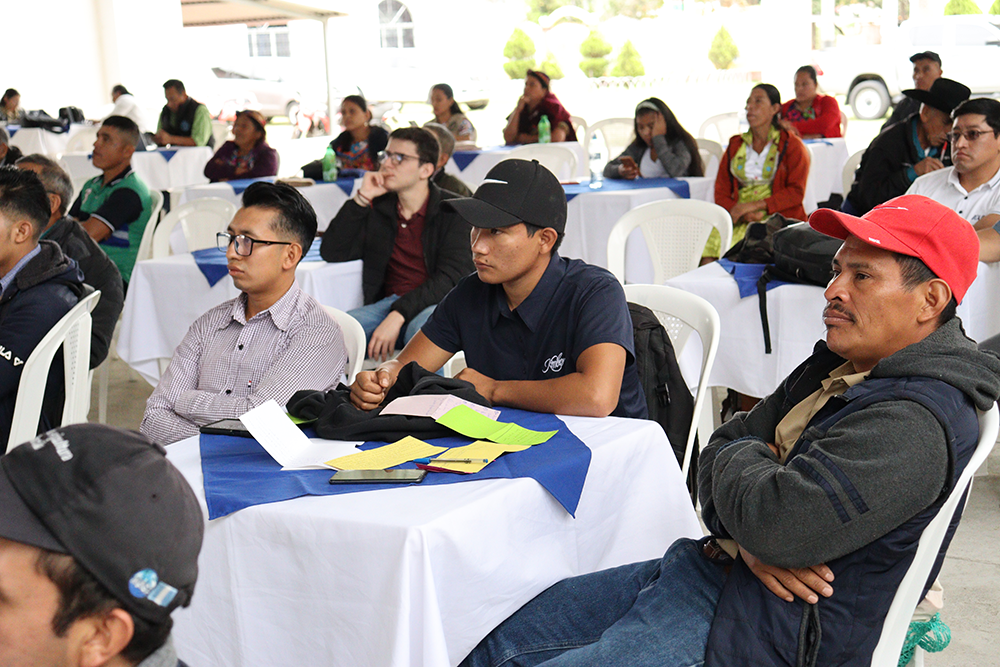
82,141
711,156
849,168
200,220
72,334
354,340
146,244
897,621
724,124
843,123
616,133
675,231
713,147
680,313
220,132
454,366
560,160
580,127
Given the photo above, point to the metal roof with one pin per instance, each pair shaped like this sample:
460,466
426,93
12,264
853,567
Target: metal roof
255,12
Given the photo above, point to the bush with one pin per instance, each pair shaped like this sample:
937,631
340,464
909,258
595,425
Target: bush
594,50
520,50
961,7
629,63
995,8
550,67
723,51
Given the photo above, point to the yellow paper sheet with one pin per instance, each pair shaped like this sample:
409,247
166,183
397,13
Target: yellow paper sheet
474,425
480,449
380,458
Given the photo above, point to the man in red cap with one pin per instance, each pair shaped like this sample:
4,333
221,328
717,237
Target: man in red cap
816,498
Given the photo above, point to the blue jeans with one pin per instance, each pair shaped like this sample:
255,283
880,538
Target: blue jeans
656,613
371,316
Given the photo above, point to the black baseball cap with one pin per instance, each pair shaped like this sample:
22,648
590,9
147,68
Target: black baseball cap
925,55
515,191
110,499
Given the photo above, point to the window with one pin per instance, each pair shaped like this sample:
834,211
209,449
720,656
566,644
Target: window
929,35
396,25
269,41
973,35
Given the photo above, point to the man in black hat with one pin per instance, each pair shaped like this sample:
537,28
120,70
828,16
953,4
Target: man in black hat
99,542
539,332
926,70
908,149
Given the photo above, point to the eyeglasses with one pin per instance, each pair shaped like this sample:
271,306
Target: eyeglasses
970,135
244,244
397,158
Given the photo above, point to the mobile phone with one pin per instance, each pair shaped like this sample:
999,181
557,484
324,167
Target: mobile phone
396,476
629,162
226,427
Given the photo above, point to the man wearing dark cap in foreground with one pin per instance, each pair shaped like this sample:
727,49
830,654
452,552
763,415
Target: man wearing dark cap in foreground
816,498
539,332
99,542
926,70
908,149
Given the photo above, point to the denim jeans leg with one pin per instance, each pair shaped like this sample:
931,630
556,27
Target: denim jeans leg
414,325
371,316
656,613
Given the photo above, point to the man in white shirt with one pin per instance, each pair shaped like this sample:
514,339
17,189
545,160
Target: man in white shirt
125,105
267,343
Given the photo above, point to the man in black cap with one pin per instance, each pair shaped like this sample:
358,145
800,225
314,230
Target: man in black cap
539,332
908,149
99,542
926,70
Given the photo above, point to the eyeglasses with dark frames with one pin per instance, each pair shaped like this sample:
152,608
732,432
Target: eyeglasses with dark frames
244,243
970,135
397,158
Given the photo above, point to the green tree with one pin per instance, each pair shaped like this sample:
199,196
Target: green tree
594,50
629,63
520,52
995,7
961,7
723,50
551,67
636,9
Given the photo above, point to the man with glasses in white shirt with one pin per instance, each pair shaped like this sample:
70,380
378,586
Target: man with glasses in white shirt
414,250
267,343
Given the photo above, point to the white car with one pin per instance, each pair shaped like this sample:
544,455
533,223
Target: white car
871,77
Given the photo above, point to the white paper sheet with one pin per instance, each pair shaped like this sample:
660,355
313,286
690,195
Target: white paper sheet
433,406
287,444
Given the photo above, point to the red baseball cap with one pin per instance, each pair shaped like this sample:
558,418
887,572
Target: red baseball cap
916,226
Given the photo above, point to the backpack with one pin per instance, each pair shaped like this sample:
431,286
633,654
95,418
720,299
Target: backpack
801,255
38,118
668,399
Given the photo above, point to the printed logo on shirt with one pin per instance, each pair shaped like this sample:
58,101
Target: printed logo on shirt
554,363
6,354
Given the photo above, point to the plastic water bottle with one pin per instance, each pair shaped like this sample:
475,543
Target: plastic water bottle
544,130
329,165
596,172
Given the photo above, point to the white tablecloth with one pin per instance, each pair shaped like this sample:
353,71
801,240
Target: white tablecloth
415,577
592,215
184,168
486,159
38,140
795,319
165,296
826,168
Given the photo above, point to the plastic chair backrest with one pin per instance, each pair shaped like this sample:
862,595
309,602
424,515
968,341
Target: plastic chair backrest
453,366
849,168
146,244
354,340
582,135
897,621
220,131
713,147
82,140
843,123
675,231
200,220
680,313
724,124
72,334
560,160
711,156
616,133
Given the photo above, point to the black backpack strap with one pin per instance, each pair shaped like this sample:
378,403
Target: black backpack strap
762,282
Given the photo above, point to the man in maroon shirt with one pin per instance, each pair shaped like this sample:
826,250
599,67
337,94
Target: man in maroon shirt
414,251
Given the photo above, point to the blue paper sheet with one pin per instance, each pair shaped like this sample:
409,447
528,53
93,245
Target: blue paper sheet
747,275
239,473
213,265
678,187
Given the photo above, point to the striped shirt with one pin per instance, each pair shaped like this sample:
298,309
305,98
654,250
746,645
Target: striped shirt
227,365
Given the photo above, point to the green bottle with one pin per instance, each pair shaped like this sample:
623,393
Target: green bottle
329,165
544,130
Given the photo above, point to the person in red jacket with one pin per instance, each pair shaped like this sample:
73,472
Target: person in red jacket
810,115
763,171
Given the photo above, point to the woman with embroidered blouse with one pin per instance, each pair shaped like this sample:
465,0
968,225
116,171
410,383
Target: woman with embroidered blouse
763,171
661,148
247,155
810,115
358,146
448,113
537,101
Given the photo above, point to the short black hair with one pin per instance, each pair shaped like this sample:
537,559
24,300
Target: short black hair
808,69
534,229
22,195
120,89
54,178
914,272
427,144
296,216
176,84
82,596
984,106
125,125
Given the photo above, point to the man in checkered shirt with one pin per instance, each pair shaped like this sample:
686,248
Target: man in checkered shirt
270,341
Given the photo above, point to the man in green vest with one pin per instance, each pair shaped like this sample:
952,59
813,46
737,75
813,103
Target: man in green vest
183,121
115,206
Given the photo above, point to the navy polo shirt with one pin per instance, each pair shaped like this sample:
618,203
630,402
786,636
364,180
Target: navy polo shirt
573,307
